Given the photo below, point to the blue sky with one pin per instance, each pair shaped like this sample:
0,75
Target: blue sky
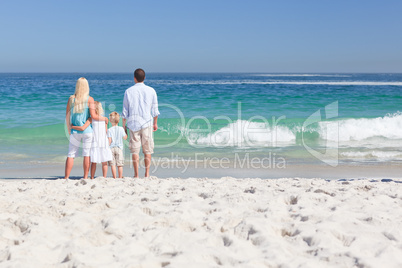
200,36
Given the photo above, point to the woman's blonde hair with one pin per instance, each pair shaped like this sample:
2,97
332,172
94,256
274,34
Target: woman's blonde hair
80,96
98,108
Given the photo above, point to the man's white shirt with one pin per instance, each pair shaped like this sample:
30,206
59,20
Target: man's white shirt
140,106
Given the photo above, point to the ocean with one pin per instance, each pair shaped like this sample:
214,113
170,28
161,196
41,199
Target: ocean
326,119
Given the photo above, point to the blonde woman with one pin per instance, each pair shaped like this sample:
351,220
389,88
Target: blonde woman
80,107
100,150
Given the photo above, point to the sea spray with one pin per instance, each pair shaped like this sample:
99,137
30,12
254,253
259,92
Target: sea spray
389,127
245,134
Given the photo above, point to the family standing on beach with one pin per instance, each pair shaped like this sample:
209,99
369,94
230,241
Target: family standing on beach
87,124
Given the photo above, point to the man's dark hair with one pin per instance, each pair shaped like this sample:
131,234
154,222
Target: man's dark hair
139,74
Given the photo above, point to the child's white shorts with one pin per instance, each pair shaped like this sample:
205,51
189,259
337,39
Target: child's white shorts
75,143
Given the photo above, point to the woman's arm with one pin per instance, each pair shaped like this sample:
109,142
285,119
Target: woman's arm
68,117
94,116
106,122
82,128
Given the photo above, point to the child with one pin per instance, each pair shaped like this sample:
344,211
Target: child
100,151
116,135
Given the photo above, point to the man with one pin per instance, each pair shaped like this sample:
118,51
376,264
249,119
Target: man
140,112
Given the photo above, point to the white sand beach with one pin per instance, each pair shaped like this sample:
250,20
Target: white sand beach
205,222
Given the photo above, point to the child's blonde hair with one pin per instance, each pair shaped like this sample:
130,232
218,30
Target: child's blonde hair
98,108
80,96
114,118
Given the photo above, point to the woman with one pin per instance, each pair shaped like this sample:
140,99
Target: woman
80,107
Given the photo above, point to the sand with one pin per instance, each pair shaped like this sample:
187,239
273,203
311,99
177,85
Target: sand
192,222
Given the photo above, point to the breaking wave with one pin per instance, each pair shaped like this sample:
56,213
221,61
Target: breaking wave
248,134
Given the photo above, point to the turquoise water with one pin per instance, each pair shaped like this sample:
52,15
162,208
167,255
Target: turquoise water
218,114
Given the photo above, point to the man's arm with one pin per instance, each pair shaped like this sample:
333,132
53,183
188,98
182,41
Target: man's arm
155,111
124,125
126,111
155,123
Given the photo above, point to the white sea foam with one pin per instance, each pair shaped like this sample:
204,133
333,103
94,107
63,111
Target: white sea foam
386,155
302,75
379,132
331,83
13,156
244,134
388,127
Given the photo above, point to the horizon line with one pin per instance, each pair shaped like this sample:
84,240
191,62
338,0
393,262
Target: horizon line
196,72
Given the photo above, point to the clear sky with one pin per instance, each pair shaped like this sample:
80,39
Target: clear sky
200,36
